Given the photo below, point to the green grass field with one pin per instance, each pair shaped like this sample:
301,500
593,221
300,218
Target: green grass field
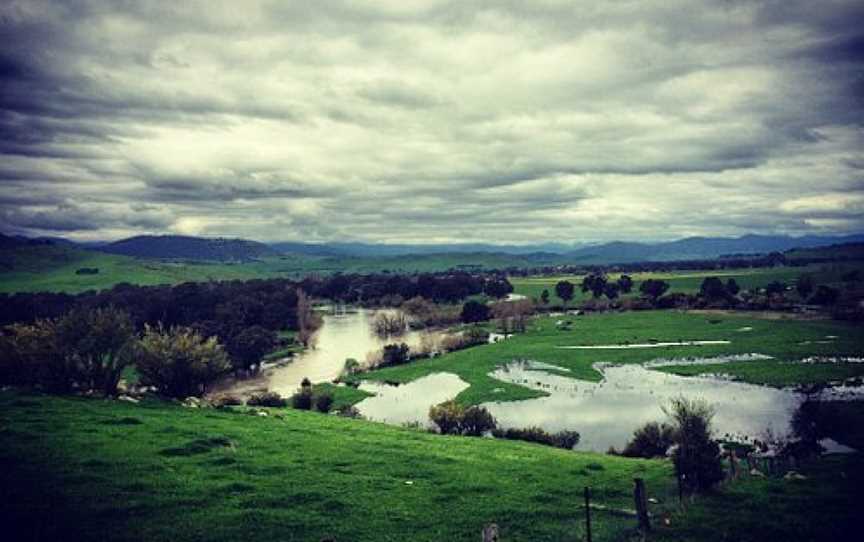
52,268
84,469
93,469
689,281
786,340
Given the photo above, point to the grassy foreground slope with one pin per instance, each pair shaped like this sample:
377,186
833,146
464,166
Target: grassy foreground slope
785,340
90,469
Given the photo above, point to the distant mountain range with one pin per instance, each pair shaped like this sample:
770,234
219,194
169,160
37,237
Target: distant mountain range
690,248
240,250
180,247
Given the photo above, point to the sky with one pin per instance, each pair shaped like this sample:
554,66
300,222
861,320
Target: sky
432,121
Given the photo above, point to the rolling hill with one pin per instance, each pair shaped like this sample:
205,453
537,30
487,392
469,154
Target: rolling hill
180,247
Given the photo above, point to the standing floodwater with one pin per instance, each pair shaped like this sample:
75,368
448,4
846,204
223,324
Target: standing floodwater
342,336
607,412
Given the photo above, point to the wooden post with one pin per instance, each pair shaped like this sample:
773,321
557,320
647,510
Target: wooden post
588,513
681,489
641,504
490,533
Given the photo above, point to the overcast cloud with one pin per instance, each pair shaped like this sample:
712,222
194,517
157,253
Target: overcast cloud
432,121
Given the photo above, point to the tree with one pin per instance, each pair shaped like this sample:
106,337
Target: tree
249,346
594,283
653,288
544,297
651,440
697,455
625,284
99,343
611,290
712,288
498,288
30,355
804,286
394,354
564,290
474,311
179,361
732,287
775,287
825,295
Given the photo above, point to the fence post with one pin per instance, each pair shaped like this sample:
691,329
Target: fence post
680,489
490,533
641,504
588,513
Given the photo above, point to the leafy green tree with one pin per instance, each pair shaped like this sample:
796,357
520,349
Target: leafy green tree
594,283
804,286
179,361
697,455
99,342
611,290
732,287
31,355
498,288
653,288
249,345
474,311
544,297
564,290
712,288
625,284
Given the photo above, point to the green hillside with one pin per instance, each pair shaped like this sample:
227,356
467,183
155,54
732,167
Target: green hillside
90,469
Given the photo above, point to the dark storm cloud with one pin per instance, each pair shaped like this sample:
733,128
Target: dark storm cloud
431,119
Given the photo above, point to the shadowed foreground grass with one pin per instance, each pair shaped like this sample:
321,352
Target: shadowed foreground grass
90,469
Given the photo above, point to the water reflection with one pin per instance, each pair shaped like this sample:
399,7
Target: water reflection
606,413
409,403
344,335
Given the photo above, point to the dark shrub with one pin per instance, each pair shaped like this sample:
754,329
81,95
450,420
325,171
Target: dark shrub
697,456
179,361
394,354
650,440
302,400
324,402
562,439
447,416
476,421
267,399
226,401
474,311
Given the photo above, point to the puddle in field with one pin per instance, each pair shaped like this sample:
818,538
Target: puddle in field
607,412
641,345
713,360
409,403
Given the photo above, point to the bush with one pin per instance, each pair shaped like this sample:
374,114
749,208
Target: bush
226,401
447,416
476,421
302,400
454,419
563,439
394,354
697,455
324,402
651,440
179,361
474,311
267,399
